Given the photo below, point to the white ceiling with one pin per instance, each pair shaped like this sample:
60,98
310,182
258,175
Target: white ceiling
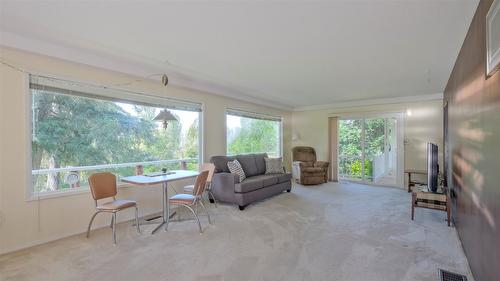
297,54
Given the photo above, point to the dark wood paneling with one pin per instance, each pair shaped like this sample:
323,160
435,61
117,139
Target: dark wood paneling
474,150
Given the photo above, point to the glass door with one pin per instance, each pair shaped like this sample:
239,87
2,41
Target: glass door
374,148
351,149
368,150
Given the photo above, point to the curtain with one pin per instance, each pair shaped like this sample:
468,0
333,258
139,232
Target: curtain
333,148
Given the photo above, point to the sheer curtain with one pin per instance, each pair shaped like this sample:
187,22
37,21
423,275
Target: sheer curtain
333,148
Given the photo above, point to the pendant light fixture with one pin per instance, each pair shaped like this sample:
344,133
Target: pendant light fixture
165,116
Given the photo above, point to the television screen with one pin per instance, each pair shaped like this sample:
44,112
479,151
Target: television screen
432,167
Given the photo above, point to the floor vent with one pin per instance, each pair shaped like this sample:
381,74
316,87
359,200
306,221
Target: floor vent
450,276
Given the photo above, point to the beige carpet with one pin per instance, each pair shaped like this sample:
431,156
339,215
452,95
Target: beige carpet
328,232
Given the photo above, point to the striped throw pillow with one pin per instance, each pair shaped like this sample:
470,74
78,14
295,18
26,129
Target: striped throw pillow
274,165
235,168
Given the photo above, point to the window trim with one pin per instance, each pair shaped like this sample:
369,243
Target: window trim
248,114
30,194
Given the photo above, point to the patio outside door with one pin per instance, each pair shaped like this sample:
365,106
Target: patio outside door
369,149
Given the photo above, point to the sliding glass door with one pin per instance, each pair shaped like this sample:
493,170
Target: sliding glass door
368,149
350,149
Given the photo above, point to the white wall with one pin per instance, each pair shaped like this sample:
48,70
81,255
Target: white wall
424,125
25,223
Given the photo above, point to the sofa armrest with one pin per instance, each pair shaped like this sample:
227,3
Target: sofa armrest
222,186
225,180
321,164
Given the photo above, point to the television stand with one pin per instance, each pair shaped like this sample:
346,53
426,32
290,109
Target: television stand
411,182
430,200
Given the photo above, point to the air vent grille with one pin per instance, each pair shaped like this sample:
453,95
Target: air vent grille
450,276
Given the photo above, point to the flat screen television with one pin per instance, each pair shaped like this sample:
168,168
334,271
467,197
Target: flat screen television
432,167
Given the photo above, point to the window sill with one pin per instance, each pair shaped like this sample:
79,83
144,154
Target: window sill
65,193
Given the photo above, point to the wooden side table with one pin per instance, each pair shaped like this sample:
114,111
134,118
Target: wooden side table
417,172
429,200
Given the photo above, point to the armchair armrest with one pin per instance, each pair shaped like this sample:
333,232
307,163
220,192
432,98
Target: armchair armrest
322,164
298,164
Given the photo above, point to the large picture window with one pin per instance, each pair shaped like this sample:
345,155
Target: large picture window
82,129
253,133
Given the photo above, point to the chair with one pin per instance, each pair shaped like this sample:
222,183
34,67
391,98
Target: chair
191,200
210,167
306,170
103,185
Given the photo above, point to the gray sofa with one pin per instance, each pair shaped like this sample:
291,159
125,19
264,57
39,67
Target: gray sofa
227,187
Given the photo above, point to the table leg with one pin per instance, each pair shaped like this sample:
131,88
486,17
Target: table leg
164,202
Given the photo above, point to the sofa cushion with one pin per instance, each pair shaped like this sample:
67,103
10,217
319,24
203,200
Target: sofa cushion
220,163
260,162
248,164
267,180
274,165
284,177
249,184
235,168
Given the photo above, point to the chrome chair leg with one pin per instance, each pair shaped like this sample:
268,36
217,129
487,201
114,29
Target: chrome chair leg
168,216
114,228
111,224
196,216
137,220
206,211
90,223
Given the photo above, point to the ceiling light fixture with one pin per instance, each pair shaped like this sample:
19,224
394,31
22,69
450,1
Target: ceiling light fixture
164,116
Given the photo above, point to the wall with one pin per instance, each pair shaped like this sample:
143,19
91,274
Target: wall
23,223
424,125
474,160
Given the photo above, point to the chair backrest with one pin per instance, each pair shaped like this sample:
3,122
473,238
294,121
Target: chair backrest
200,183
102,185
304,154
210,167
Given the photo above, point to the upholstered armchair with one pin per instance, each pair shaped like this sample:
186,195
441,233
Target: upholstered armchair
306,170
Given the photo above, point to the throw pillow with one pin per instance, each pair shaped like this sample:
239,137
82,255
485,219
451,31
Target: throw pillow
235,168
274,166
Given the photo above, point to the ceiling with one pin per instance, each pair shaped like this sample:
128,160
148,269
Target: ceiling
294,54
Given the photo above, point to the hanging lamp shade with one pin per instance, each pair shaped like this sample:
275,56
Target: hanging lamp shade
164,116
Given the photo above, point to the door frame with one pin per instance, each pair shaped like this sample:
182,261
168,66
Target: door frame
400,118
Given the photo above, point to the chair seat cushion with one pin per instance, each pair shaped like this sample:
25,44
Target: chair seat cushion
313,170
116,205
182,199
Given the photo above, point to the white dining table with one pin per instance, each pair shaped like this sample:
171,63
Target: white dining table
163,179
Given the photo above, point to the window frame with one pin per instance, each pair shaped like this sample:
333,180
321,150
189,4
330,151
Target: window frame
30,194
274,118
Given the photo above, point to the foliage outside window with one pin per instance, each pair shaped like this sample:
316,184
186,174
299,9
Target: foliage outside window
78,131
350,145
253,133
